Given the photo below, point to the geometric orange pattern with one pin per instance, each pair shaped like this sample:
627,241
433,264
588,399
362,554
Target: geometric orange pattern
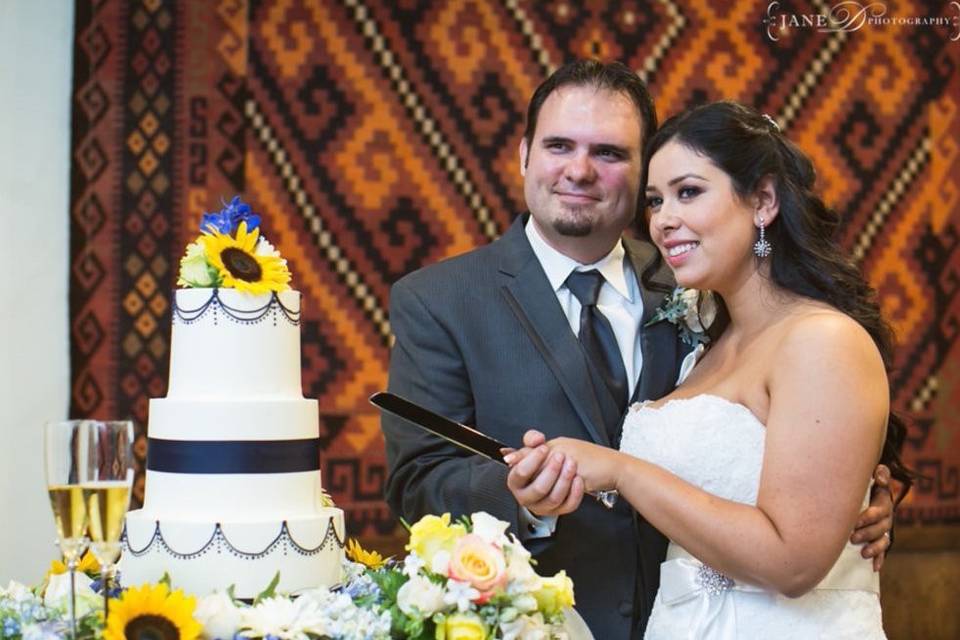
379,136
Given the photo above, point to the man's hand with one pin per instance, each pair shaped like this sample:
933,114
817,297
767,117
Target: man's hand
874,524
545,483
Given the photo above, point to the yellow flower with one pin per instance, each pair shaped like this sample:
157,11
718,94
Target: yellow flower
152,612
461,626
555,593
88,565
241,266
325,499
370,559
431,534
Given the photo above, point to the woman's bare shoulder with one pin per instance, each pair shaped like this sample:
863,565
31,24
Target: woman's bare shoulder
823,341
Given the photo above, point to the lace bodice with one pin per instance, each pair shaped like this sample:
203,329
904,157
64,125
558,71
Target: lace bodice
721,451
718,445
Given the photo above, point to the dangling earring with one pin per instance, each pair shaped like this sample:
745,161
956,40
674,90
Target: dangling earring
761,247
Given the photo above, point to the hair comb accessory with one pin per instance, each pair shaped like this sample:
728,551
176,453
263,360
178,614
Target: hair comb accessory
773,123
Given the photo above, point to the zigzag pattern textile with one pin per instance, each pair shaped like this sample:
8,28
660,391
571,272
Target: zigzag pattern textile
379,136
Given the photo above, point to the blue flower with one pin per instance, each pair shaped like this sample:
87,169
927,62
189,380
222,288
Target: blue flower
10,627
229,218
97,586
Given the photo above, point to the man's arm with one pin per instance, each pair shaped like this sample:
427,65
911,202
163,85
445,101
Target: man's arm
427,474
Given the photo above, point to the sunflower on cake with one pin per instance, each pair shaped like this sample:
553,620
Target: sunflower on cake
233,492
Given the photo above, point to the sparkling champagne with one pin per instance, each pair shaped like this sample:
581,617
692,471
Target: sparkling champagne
107,503
70,516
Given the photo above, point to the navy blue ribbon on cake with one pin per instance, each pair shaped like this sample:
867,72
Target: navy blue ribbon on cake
233,456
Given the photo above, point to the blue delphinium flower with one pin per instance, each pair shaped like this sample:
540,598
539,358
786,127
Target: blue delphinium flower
10,627
229,218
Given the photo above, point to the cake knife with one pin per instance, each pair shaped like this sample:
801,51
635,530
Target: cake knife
459,434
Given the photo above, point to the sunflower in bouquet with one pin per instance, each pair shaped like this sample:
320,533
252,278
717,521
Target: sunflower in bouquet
468,580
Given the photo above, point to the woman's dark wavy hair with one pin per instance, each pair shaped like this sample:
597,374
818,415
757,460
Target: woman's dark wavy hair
806,258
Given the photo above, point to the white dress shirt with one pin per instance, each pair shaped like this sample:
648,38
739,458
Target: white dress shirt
619,301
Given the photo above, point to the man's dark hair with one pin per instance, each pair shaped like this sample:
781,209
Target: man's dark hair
612,76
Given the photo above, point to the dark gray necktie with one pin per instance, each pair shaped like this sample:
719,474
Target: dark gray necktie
596,334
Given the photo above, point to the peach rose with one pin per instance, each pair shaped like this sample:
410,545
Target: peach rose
478,563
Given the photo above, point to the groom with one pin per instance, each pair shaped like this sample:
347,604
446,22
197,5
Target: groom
544,328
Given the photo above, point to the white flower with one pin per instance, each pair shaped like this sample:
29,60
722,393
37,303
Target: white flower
525,628
521,578
412,565
219,616
195,271
440,564
16,592
491,529
44,631
460,594
525,603
284,619
420,597
264,248
57,594
344,619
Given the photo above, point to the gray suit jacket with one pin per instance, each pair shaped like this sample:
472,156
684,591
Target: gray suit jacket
481,338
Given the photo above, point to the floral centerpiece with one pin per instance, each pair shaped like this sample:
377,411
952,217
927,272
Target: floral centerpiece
231,253
464,580
42,613
468,581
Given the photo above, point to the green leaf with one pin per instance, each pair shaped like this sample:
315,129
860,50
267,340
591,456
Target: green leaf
231,592
270,591
165,580
389,582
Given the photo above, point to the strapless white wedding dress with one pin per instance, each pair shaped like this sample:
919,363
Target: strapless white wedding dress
718,446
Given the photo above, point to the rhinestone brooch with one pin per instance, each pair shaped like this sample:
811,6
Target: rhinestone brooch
712,581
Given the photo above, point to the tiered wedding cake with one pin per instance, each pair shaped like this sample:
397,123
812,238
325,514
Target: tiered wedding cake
233,490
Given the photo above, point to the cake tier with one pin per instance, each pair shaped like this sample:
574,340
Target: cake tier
228,344
232,497
237,418
201,557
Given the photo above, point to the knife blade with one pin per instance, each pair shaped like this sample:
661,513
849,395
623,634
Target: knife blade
459,434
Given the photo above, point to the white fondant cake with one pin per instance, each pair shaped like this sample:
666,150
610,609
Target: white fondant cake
233,491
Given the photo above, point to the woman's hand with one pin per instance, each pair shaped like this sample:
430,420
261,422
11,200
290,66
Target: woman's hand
596,465
599,466
543,482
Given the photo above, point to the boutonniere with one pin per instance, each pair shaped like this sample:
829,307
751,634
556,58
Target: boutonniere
692,312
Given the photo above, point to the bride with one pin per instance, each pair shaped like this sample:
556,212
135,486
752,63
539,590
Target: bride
757,466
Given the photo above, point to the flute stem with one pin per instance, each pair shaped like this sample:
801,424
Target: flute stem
106,595
72,565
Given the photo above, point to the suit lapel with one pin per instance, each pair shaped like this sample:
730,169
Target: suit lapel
658,342
533,301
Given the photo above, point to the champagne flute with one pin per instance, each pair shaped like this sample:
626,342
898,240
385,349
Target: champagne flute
65,460
106,493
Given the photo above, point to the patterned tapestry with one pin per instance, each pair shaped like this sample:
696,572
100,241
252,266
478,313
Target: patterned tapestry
378,136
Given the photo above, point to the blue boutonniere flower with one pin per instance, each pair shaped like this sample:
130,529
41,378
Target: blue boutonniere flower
692,312
228,219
